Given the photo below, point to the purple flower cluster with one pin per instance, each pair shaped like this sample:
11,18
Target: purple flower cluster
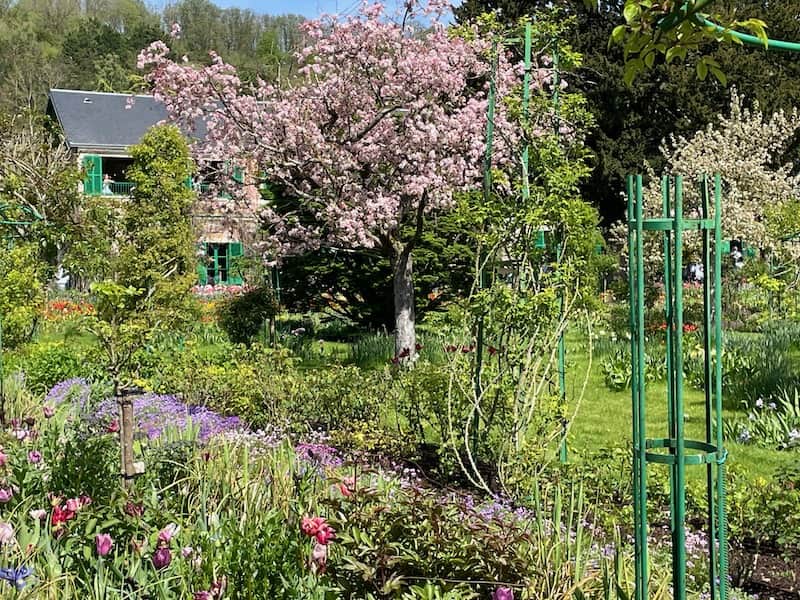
75,390
319,454
496,509
154,413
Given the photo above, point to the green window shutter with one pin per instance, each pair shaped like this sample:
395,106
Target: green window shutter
93,165
234,269
202,267
238,174
540,243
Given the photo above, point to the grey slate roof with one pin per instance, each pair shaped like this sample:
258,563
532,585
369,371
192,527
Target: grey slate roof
96,121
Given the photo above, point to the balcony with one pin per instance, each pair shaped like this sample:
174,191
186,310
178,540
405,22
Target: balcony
116,188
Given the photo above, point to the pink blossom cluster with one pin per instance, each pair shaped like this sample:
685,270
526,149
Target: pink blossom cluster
386,125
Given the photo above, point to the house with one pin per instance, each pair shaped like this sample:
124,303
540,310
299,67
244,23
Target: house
100,127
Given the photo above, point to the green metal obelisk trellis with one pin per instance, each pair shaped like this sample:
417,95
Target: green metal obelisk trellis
675,450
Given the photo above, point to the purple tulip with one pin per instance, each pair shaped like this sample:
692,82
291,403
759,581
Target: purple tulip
503,593
161,558
34,456
103,541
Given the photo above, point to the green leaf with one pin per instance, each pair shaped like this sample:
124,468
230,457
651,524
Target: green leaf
631,11
618,34
721,77
702,70
632,69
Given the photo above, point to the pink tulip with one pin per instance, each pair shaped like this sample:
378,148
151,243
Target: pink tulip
5,495
74,504
503,593
325,535
165,535
48,411
317,527
35,457
6,533
103,542
3,458
38,514
202,596
319,558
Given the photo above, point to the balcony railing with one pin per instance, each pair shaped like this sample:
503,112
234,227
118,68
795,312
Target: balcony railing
117,188
124,188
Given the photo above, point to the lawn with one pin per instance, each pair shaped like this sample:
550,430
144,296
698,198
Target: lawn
603,417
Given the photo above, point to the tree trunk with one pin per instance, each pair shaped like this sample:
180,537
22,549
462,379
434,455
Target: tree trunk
405,339
126,439
125,403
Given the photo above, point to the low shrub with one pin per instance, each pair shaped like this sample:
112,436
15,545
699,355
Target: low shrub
266,386
46,363
764,514
242,316
21,293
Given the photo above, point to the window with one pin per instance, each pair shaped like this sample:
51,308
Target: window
221,264
105,175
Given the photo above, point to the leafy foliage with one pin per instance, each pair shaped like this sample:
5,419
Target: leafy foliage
358,285
243,315
152,266
93,46
21,293
667,99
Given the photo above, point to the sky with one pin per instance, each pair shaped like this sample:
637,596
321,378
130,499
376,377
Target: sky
307,8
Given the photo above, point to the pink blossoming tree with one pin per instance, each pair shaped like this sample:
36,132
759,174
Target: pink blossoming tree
386,124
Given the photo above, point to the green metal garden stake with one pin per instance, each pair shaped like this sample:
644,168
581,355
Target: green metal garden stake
562,347
675,450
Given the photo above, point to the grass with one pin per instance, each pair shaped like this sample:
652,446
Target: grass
604,417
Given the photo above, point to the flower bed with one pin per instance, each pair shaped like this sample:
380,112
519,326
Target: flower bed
218,502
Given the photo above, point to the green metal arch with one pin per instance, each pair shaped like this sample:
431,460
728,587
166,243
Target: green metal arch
30,213
753,40
685,11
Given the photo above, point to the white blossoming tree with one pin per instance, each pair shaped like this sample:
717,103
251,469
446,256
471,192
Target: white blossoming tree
760,188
